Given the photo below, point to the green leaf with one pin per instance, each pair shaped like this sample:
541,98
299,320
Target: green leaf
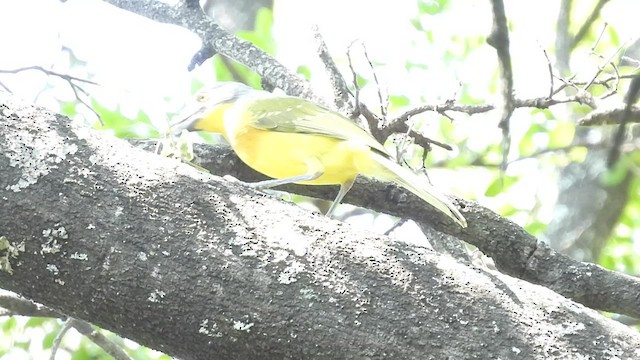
362,82
68,108
262,35
562,134
125,128
614,39
527,144
47,341
536,228
411,65
432,7
416,24
36,322
304,71
9,324
616,175
398,100
548,114
499,185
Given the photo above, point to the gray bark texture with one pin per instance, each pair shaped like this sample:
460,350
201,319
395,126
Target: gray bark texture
200,268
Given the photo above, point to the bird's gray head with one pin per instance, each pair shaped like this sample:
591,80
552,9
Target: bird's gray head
210,98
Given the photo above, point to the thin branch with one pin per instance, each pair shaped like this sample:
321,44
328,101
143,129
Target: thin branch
607,61
373,121
384,103
70,79
563,38
99,339
58,340
17,305
338,83
65,77
550,71
396,225
5,88
630,99
357,110
20,306
499,39
586,25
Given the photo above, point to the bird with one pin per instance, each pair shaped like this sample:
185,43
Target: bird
294,140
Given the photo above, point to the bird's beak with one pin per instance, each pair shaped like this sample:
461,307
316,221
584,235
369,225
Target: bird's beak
187,119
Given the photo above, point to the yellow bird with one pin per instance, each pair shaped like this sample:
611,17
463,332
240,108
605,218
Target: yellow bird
297,141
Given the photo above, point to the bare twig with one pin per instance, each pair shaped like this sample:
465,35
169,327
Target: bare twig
586,25
607,61
6,88
384,103
58,340
397,224
357,110
550,70
631,97
66,77
338,83
99,339
499,39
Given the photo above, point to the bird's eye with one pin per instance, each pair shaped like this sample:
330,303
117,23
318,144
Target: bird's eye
201,97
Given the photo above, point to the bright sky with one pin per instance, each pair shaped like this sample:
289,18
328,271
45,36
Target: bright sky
131,54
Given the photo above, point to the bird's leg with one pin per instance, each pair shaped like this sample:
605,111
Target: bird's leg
267,184
344,189
315,169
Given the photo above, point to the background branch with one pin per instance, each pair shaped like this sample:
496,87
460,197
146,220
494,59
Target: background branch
217,40
338,84
499,39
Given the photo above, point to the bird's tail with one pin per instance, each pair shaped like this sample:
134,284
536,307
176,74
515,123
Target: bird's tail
412,182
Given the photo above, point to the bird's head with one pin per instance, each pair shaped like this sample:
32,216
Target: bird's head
206,111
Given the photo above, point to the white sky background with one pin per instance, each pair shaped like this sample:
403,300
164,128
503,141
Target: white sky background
142,65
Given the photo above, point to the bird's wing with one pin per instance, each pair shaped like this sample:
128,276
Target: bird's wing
295,115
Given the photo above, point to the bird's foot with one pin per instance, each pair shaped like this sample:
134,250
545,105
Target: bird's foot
259,186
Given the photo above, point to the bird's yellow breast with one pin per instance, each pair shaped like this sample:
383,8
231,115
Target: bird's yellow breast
282,155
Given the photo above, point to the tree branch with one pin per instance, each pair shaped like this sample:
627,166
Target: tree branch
217,40
610,116
499,39
514,251
586,25
339,85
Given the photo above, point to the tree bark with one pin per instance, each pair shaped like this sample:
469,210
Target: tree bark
200,268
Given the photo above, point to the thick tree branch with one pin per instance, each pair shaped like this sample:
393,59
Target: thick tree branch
514,251
201,268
